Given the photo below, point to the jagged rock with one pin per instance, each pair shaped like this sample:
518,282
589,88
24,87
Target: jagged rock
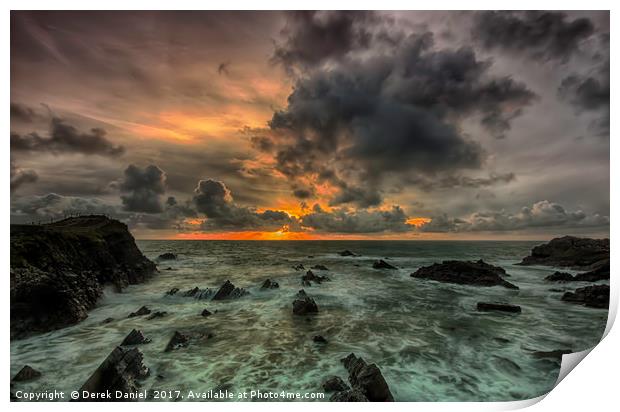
172,292
502,307
596,296
319,339
269,284
229,291
600,273
191,293
319,267
205,313
167,256
156,315
120,371
140,312
382,264
569,251
368,379
135,337
26,373
310,277
347,253
335,384
350,395
299,267
177,341
107,320
560,277
465,273
304,304
553,354
198,293
58,270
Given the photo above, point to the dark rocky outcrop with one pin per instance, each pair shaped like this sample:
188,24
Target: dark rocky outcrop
465,273
198,293
299,267
205,313
177,341
350,395
382,264
347,253
135,337
304,304
140,312
309,277
367,378
596,296
120,371
167,256
570,251
335,384
26,373
501,307
600,273
270,284
319,267
58,270
172,292
229,291
319,339
559,277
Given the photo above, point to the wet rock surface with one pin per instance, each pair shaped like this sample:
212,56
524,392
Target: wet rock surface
367,378
27,373
500,307
335,384
205,313
172,292
167,256
382,264
135,337
319,339
559,277
598,274
140,312
350,395
304,304
460,272
570,251
347,253
178,340
270,284
310,277
229,291
157,315
596,296
58,270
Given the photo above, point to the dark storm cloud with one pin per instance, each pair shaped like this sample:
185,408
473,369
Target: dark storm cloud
144,189
303,193
25,114
21,176
53,207
356,221
459,181
65,138
543,214
539,34
213,199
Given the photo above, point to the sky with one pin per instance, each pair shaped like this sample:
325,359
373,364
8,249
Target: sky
314,125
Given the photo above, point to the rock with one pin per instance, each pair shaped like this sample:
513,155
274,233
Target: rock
229,291
347,253
177,341
553,354
351,395
560,277
167,256
198,293
58,270
502,307
600,273
135,337
26,373
465,273
299,267
569,251
319,267
107,320
319,339
382,264
269,284
172,292
205,313
368,379
335,384
169,268
596,296
157,315
120,371
304,304
140,312
310,277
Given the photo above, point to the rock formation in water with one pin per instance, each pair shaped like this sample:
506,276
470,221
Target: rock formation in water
140,312
304,304
167,256
319,267
26,373
58,270
335,384
347,253
596,296
229,291
382,264
270,284
178,340
465,273
309,277
570,251
501,307
367,378
135,337
598,274
120,371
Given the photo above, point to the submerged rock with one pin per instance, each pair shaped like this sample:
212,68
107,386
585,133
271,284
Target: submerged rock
229,291
172,292
107,320
465,273
157,315
177,341
270,284
26,373
552,354
502,307
205,313
319,267
347,253
140,312
559,277
319,339
58,270
310,277
368,379
167,256
299,267
304,304
570,251
120,371
382,264
350,395
596,296
198,293
135,337
335,384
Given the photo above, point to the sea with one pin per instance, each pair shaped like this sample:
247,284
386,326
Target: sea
426,337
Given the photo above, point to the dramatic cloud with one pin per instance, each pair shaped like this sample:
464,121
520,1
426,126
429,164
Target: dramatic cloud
65,138
42,209
24,114
357,221
21,176
539,34
540,215
144,189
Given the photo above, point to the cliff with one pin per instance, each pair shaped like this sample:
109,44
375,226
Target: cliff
58,270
